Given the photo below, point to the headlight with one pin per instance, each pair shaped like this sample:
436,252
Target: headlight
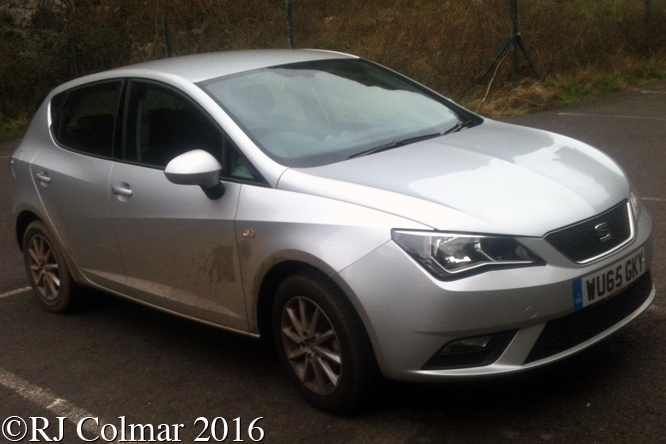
451,256
636,204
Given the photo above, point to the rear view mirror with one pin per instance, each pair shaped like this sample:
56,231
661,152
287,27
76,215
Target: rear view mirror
196,167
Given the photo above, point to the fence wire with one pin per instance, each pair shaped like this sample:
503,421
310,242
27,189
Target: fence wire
444,44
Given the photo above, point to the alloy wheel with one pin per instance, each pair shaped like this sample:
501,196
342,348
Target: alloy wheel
311,345
44,267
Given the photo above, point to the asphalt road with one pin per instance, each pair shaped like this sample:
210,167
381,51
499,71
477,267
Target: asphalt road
116,358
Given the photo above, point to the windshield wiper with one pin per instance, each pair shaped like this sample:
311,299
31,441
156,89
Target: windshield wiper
395,144
460,125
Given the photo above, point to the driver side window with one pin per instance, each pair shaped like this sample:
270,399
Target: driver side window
162,125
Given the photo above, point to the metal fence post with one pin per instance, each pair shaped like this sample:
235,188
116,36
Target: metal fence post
167,45
290,26
513,12
75,51
516,41
648,24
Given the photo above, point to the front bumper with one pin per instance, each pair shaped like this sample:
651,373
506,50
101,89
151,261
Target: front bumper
409,315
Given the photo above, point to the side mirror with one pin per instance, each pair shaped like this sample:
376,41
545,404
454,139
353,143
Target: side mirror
196,167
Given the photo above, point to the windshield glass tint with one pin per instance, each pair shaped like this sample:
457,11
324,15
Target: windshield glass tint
320,112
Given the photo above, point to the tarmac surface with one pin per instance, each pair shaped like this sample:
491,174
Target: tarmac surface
118,359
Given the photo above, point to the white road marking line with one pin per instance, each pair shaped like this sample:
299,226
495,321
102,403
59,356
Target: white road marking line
653,92
47,400
613,117
656,308
5,157
653,199
13,292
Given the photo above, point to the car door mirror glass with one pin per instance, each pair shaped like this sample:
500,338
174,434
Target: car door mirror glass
196,167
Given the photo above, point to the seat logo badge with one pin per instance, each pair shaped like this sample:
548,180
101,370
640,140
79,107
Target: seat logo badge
604,232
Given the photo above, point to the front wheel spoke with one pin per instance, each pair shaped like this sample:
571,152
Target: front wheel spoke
301,370
35,268
295,354
49,267
53,278
51,285
48,253
41,246
40,280
319,375
307,370
295,322
313,322
327,335
34,246
288,332
331,356
330,374
304,318
34,255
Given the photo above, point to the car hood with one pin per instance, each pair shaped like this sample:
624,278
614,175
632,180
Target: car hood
492,178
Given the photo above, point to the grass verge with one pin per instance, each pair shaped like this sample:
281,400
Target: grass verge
561,89
13,128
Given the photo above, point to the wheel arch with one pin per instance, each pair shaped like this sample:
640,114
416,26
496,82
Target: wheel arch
268,288
25,218
333,301
276,275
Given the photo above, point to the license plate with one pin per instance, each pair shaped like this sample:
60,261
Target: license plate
604,283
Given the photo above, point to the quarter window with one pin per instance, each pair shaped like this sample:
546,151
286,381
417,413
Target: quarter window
87,120
56,101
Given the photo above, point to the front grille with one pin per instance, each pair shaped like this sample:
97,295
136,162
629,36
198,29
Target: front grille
581,241
568,331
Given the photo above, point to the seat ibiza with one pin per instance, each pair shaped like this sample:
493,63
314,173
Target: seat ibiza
365,223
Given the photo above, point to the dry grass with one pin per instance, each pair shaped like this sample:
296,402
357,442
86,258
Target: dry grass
13,127
583,83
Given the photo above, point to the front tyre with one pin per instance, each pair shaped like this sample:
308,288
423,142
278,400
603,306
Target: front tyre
47,270
322,343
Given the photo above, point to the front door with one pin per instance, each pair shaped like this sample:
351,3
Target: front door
178,246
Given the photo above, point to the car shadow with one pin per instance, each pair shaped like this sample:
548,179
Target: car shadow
256,363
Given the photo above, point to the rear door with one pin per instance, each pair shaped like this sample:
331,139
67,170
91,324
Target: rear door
178,245
71,175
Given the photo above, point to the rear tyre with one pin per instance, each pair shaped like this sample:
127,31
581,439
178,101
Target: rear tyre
47,270
322,344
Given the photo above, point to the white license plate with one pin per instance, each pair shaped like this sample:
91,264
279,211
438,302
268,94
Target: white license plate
604,283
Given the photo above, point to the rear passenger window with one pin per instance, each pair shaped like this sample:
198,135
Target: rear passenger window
87,120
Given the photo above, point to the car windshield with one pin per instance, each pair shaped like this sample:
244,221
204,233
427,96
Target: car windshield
319,112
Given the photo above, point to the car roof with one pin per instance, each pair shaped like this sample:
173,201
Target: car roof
199,67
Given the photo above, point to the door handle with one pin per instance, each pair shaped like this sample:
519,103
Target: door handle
43,177
121,190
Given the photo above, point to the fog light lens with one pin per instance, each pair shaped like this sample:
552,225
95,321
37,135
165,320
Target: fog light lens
470,352
467,345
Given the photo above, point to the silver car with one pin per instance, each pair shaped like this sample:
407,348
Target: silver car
366,224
